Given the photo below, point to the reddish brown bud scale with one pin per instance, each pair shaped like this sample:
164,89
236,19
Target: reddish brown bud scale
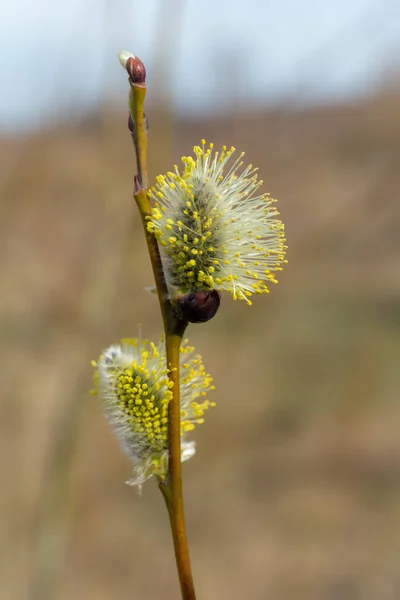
131,124
198,307
136,70
137,185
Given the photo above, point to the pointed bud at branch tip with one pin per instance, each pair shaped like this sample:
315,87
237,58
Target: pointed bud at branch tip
136,70
134,67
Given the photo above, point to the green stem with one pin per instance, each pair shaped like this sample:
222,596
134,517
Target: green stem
171,488
174,328
136,107
177,521
143,203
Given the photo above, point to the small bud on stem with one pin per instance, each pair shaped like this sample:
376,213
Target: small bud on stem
131,124
133,66
198,307
136,70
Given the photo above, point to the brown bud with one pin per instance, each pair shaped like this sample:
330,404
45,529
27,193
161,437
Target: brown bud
137,187
136,69
198,307
131,124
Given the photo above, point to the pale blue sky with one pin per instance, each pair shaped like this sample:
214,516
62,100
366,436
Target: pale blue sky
58,57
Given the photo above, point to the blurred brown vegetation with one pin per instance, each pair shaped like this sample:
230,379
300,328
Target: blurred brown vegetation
295,490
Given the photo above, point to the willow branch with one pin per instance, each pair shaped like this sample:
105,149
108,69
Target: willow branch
174,328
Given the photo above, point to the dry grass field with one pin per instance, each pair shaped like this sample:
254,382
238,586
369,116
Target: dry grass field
294,493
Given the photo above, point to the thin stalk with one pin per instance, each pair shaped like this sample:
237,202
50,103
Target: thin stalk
139,135
143,203
174,329
177,521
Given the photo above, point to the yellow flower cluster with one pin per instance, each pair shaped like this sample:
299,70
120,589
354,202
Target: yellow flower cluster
132,382
214,230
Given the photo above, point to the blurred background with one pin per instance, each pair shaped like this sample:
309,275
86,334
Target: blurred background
295,490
